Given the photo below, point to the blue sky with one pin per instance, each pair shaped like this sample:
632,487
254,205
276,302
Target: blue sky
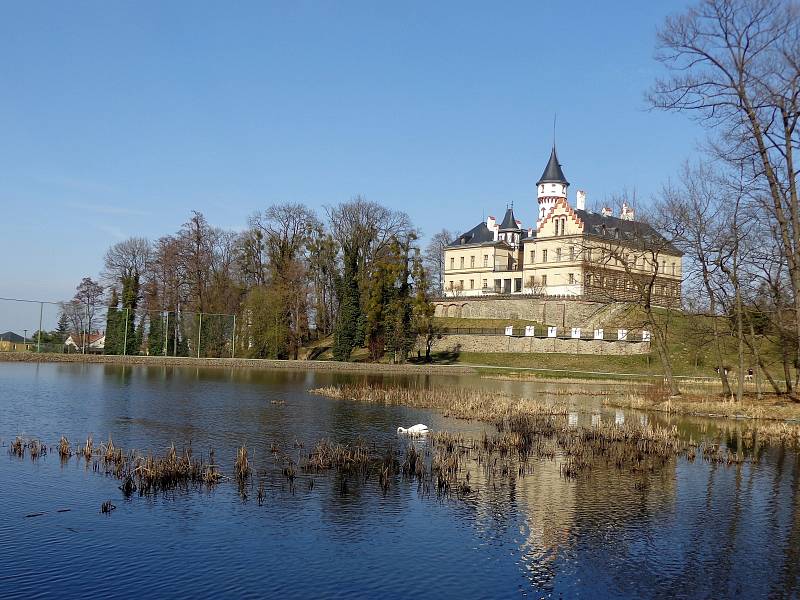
118,118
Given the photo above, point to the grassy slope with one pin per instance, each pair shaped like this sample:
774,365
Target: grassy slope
691,352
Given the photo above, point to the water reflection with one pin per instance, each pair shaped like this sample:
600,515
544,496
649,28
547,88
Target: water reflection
686,529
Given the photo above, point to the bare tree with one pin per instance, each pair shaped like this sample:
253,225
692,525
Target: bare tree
82,309
127,259
736,65
434,261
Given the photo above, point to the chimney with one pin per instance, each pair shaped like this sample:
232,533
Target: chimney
606,211
580,200
627,212
492,225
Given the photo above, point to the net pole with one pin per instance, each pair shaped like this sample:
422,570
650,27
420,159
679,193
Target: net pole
39,337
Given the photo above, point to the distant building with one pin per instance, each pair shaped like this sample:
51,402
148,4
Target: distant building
571,252
95,342
13,342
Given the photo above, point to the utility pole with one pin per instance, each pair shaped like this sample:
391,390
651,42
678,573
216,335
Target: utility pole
39,338
199,332
125,339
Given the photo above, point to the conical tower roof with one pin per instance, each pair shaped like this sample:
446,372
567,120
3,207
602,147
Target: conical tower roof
509,222
552,172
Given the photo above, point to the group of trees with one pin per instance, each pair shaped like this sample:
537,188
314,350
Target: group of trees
290,277
735,66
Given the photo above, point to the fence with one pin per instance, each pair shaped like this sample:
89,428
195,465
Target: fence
43,326
561,333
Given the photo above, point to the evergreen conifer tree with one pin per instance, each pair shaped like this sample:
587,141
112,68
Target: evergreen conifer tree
155,335
113,343
349,314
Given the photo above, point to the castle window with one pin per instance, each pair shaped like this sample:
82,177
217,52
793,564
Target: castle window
558,254
485,283
472,284
471,262
533,256
452,263
544,255
461,284
572,252
571,278
450,284
485,260
461,262
544,280
673,268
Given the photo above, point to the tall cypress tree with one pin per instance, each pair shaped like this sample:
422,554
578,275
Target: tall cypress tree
113,343
347,320
130,300
155,335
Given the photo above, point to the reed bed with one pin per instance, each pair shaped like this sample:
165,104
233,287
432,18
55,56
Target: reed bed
695,401
460,403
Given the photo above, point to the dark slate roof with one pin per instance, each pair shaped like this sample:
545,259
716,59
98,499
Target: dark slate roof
509,222
480,234
552,172
10,336
622,229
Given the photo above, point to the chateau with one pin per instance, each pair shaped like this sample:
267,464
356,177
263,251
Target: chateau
570,253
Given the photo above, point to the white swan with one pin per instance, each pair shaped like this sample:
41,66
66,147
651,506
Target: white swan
418,429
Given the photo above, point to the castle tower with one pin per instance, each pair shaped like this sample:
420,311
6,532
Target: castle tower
551,186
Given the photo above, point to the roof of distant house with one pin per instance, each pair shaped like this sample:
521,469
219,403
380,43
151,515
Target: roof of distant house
90,338
10,336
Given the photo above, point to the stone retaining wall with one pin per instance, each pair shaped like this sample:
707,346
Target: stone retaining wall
559,312
505,343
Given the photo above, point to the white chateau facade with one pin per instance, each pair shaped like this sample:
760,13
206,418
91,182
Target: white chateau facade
569,252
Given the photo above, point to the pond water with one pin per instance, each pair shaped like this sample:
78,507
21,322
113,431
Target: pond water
688,530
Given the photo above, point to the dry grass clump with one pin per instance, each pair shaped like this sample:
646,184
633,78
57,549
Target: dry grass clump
17,447
153,473
88,449
35,448
345,458
242,465
64,448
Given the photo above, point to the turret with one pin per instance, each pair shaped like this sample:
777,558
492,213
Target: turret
551,186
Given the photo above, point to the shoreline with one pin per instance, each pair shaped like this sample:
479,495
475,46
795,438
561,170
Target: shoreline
237,363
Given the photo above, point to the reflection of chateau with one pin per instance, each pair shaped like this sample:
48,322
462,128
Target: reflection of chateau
557,511
570,252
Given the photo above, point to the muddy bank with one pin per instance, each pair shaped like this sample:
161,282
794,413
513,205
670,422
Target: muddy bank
235,363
